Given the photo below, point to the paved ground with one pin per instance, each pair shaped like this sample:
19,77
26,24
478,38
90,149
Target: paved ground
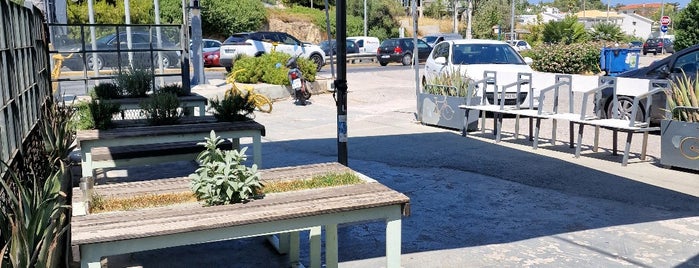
475,203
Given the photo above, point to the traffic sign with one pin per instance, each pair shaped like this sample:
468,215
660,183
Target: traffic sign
665,20
663,28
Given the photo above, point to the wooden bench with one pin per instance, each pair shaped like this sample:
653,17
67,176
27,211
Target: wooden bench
136,155
151,135
105,234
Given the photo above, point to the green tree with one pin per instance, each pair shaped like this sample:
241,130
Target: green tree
107,12
381,20
687,26
567,31
489,14
436,9
226,17
606,31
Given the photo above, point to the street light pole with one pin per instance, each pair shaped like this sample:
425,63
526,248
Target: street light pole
512,21
468,22
365,15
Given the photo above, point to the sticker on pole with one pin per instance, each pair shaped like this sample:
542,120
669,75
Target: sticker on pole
342,128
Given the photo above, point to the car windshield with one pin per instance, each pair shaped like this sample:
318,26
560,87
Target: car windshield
485,54
324,45
236,38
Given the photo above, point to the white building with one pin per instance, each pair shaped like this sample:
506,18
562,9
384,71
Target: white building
636,25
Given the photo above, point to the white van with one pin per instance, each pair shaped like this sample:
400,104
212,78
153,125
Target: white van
366,43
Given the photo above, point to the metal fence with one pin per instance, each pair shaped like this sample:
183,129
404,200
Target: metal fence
87,54
24,75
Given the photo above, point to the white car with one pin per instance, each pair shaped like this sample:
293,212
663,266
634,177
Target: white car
367,44
519,45
257,43
471,57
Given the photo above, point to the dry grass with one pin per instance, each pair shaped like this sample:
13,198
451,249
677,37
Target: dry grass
445,25
101,204
287,17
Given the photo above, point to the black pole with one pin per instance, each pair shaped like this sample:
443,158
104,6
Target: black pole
341,81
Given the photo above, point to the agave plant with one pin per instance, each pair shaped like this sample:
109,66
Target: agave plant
35,219
448,83
57,130
684,92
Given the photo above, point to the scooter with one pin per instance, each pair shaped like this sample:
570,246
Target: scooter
298,83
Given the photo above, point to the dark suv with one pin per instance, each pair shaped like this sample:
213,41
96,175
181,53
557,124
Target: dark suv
112,50
669,68
401,50
658,45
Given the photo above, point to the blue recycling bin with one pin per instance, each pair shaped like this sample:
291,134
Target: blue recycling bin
614,61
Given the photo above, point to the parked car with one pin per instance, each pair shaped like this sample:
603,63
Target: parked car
331,47
670,68
635,44
257,43
211,58
109,45
658,45
471,57
434,39
519,45
208,45
401,50
366,43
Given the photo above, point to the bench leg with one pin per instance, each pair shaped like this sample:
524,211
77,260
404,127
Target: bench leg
516,127
553,131
498,126
331,259
294,250
578,146
483,122
615,140
625,160
314,238
280,242
571,131
536,133
89,258
644,145
257,150
86,163
531,123
595,146
464,130
393,241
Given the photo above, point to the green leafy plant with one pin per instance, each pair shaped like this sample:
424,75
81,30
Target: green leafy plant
35,219
684,91
566,31
269,68
94,114
570,59
57,130
449,83
107,91
162,109
222,178
233,107
606,31
135,82
173,88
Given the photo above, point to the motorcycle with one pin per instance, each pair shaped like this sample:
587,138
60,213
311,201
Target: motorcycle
298,83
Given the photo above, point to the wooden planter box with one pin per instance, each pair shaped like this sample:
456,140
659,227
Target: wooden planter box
679,144
192,101
119,232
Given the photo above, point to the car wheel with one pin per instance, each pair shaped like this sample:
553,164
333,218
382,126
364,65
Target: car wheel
655,53
96,61
383,63
318,60
165,61
625,106
644,53
228,69
407,59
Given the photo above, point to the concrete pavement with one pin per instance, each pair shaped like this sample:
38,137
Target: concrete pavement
474,203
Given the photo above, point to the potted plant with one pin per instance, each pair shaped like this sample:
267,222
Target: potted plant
440,98
679,145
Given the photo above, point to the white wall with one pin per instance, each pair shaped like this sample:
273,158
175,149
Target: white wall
636,25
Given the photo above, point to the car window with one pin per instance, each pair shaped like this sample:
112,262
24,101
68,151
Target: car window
236,38
140,38
360,43
422,44
287,39
350,44
441,50
390,43
687,63
485,54
430,39
657,71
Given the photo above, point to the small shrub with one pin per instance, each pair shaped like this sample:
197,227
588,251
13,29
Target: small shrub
94,114
233,107
222,178
269,68
106,91
173,88
450,83
135,82
162,109
567,59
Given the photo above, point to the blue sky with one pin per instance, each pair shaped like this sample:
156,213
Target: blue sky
683,3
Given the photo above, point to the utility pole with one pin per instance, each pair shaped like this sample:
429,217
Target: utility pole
662,14
469,35
609,2
456,29
365,15
341,81
512,21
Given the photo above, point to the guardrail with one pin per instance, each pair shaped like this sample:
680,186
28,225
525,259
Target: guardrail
355,57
